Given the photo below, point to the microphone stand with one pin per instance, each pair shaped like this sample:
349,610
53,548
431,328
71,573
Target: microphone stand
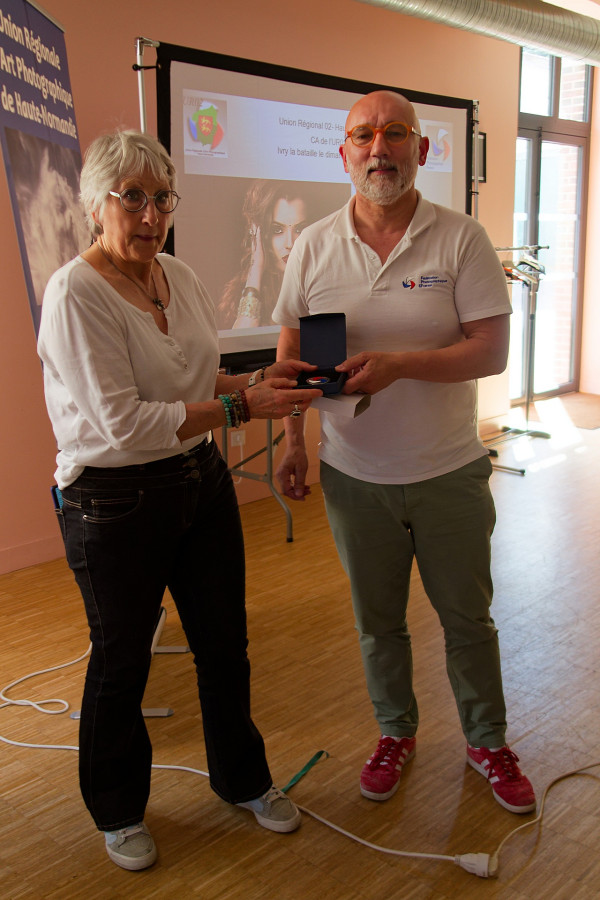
528,271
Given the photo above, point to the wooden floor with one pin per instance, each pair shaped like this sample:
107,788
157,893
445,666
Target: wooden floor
309,695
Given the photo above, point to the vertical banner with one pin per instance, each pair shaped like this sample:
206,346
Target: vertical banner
40,145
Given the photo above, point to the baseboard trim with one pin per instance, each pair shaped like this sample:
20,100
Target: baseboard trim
31,554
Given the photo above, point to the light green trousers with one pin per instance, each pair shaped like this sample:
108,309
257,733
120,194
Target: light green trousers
444,523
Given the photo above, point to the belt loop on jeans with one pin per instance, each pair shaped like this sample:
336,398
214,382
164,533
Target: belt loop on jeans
204,443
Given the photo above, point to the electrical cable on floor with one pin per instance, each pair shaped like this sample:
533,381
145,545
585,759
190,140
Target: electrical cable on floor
484,865
62,704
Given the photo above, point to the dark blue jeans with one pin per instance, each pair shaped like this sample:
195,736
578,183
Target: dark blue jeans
129,533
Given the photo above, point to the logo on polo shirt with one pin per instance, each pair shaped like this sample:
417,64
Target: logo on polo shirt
423,281
431,280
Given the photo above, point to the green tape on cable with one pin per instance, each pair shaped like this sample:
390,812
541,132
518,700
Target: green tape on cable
305,769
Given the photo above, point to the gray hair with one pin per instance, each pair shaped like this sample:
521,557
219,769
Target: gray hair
113,157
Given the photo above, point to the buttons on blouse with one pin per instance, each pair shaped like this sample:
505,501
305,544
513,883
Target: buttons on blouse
179,352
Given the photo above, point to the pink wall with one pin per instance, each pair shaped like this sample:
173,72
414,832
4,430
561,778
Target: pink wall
338,37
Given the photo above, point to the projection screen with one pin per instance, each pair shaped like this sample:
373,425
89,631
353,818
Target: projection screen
256,149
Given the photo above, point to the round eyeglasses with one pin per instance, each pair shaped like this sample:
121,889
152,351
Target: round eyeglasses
393,132
134,200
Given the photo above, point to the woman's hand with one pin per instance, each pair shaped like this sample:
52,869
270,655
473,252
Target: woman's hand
276,399
288,368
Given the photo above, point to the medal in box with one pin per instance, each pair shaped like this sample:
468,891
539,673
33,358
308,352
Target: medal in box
323,343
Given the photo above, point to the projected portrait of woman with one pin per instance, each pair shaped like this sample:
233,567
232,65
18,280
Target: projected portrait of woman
275,215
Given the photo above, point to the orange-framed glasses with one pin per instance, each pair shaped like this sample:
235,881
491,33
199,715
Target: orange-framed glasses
393,132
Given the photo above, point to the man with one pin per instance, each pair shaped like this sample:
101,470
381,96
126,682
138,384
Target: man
423,289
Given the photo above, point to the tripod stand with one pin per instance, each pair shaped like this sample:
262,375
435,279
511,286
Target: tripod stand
528,271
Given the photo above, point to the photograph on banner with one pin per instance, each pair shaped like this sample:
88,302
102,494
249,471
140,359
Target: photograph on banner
40,145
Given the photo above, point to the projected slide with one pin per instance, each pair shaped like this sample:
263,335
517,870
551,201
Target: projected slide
258,160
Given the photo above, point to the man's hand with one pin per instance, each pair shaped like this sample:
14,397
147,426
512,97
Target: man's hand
482,351
291,473
369,372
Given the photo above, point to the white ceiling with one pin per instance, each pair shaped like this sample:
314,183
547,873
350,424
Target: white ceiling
589,8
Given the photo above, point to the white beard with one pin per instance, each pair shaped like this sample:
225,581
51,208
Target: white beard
382,192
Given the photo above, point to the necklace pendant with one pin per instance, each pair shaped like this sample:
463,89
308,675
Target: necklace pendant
156,300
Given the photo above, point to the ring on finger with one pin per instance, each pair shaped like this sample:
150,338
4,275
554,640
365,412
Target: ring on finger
296,411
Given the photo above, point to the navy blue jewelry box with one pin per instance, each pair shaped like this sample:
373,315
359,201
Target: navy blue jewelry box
323,343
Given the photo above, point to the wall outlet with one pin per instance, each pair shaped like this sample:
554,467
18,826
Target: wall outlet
238,438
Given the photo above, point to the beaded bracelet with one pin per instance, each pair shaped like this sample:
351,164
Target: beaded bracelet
241,405
227,407
236,408
236,419
245,406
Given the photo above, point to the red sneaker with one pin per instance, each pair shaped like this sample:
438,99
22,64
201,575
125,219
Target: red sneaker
380,776
511,788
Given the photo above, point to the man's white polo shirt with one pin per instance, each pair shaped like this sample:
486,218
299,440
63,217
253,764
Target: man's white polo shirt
443,272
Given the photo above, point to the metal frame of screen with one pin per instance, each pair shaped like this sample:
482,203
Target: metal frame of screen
246,360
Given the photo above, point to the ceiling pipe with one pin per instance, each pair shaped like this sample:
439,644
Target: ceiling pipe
533,24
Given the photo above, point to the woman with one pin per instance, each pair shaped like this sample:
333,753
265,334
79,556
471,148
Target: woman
130,353
274,217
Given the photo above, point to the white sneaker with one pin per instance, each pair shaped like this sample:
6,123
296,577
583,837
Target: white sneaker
274,811
132,847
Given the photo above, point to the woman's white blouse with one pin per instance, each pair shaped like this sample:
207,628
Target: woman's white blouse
115,385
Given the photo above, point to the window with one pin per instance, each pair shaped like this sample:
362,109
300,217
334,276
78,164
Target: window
536,83
554,87
549,213
573,96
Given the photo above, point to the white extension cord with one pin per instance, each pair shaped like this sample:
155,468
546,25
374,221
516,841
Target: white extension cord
484,865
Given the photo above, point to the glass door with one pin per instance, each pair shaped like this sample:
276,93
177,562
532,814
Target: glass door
551,167
559,226
548,212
